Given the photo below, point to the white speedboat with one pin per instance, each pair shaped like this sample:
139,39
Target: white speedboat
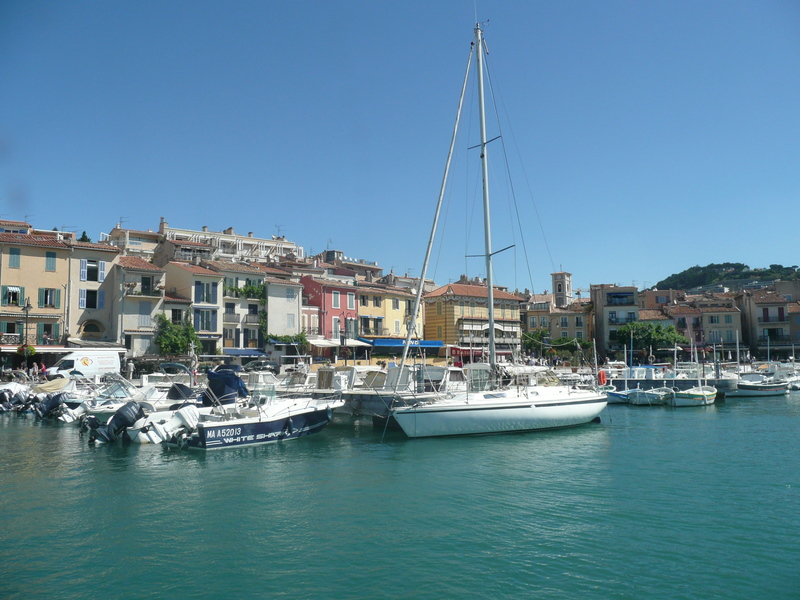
757,384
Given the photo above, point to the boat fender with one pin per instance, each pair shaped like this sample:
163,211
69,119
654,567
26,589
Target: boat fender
289,426
329,414
602,379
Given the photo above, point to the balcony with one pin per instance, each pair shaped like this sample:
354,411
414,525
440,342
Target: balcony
374,331
621,321
230,318
773,319
251,319
774,339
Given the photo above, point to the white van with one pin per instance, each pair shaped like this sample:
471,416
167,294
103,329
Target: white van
89,363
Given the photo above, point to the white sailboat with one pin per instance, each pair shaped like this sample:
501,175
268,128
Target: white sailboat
494,408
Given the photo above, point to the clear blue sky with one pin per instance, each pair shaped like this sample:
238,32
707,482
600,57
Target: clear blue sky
648,137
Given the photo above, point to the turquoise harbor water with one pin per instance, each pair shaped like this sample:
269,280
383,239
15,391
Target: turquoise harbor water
650,503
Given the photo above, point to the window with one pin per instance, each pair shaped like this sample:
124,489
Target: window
397,326
363,300
50,261
335,300
631,317
145,312
93,270
564,322
396,304
439,332
176,315
542,321
377,300
49,298
13,295
439,309
291,293
91,299
290,320
252,309
230,308
532,322
612,316
205,292
351,300
579,335
729,319
205,320
661,299
13,258
578,321
713,319
335,327
564,334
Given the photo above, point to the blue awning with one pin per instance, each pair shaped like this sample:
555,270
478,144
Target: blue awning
242,352
396,343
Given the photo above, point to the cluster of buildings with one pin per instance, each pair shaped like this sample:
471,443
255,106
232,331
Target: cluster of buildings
249,296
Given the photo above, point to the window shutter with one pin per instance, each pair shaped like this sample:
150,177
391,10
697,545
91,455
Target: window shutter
198,291
84,269
4,326
101,299
5,295
57,331
41,297
57,298
214,293
39,332
50,261
196,320
214,319
21,300
81,298
102,274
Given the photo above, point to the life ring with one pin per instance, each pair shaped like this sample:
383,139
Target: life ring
601,377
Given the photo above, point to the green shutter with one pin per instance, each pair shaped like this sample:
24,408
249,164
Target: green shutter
21,296
41,297
39,333
57,298
56,332
5,295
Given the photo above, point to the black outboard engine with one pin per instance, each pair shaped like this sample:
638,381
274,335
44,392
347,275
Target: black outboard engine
116,426
48,406
5,400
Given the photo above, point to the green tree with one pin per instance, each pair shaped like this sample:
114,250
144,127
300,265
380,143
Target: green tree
84,238
175,339
649,335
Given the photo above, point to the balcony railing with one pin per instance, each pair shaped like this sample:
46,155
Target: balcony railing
311,330
374,331
230,318
773,319
621,320
251,319
774,339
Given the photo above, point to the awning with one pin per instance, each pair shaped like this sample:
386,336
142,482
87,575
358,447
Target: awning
398,343
242,352
12,288
335,343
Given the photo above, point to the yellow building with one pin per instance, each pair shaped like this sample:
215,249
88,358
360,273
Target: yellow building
383,312
34,278
457,314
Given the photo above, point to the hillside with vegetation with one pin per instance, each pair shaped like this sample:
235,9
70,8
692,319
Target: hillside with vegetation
716,273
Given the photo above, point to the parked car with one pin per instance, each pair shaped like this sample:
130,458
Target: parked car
228,367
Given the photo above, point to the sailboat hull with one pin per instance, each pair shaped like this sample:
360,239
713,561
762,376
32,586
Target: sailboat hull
498,412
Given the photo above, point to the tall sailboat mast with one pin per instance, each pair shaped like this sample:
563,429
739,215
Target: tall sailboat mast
487,225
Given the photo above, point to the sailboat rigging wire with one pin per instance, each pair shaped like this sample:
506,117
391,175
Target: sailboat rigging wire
496,104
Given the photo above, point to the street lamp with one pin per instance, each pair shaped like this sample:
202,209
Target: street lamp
26,309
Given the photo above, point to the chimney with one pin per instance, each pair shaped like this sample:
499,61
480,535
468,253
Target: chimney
205,228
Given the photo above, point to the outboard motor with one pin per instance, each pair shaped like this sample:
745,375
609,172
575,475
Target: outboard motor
5,400
115,428
48,406
21,400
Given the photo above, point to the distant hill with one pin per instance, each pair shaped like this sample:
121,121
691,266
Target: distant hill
713,273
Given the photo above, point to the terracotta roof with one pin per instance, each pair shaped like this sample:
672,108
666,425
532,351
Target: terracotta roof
767,297
278,281
651,314
794,307
94,246
195,269
174,298
718,309
224,265
270,269
23,239
470,291
5,223
138,264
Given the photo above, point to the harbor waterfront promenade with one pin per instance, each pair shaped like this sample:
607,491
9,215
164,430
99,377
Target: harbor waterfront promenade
656,502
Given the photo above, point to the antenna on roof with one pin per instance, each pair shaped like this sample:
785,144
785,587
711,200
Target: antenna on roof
278,227
121,221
